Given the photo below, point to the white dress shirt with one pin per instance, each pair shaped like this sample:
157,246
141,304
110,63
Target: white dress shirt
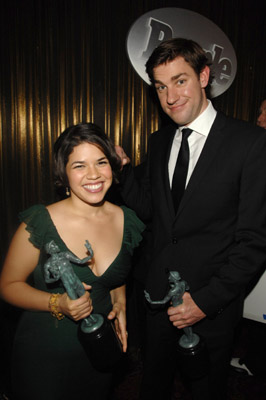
201,127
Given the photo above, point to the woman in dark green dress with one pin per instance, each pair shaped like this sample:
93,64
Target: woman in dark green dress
49,362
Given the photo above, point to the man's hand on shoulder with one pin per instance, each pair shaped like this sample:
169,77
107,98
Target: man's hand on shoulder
122,155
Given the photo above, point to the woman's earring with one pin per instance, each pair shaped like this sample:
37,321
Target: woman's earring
67,191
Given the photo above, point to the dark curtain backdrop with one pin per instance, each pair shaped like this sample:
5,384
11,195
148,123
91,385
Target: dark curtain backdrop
64,62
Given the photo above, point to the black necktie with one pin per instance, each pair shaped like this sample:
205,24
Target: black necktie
181,168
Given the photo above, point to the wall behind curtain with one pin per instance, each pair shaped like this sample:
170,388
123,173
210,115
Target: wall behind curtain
64,62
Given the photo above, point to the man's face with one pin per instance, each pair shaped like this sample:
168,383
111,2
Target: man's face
180,90
261,121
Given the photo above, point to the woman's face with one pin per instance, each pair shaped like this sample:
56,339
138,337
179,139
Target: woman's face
89,173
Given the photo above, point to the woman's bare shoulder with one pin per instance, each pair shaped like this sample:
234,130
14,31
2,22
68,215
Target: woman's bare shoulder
114,210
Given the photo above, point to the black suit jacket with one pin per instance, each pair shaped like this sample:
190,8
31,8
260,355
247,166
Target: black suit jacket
217,239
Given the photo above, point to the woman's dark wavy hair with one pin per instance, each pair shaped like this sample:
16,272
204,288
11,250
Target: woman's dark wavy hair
78,134
170,49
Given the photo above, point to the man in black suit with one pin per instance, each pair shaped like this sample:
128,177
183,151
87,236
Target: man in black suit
216,237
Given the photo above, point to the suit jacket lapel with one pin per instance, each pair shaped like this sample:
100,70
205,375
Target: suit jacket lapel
208,154
165,177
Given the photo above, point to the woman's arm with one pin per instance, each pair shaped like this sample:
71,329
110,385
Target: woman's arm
118,298
20,262
21,259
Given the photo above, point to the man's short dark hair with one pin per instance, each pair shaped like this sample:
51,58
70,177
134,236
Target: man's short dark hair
170,49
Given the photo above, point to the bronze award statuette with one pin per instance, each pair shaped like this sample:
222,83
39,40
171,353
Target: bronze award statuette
96,333
191,348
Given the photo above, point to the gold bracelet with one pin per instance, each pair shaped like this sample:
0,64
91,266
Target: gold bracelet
53,306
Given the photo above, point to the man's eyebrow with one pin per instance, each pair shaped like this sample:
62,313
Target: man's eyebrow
158,81
173,78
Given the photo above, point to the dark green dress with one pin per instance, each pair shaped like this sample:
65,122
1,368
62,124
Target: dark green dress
48,361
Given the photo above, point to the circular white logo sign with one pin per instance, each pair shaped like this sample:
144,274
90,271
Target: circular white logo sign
165,23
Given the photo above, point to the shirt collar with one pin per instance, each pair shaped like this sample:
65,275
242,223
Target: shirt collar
203,123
